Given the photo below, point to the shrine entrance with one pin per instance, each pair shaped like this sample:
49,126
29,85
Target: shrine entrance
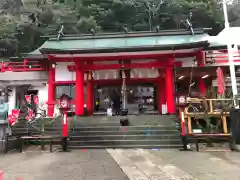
76,60
136,94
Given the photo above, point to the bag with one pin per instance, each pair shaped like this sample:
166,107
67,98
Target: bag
109,112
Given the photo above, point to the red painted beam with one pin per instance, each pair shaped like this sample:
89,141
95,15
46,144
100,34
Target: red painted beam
119,56
155,64
22,69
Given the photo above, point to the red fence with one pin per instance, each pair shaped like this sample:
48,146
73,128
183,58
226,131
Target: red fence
22,66
220,57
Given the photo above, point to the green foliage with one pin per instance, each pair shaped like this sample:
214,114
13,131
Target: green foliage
21,31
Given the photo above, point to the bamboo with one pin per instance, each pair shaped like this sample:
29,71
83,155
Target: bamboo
189,124
224,121
211,106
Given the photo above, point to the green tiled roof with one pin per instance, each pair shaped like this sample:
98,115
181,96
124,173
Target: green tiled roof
121,42
118,42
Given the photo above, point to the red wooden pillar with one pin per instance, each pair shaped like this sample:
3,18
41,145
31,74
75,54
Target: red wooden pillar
200,58
161,94
79,97
169,87
51,89
202,87
89,93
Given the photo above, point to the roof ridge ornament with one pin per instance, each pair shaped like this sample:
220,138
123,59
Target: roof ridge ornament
189,25
60,33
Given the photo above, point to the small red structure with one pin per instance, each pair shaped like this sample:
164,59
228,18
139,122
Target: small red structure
65,105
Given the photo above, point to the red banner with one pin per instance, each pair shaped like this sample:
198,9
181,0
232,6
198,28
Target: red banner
1,175
16,113
12,120
28,118
35,99
30,115
220,81
28,99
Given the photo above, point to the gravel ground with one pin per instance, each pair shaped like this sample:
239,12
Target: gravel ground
75,165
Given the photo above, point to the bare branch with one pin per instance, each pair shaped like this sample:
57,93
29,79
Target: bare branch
159,5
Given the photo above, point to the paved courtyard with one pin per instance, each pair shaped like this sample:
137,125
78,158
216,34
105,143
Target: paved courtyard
117,164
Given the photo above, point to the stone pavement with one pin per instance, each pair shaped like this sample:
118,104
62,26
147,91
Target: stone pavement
129,164
75,165
141,164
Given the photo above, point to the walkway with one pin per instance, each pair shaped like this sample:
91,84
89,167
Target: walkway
141,164
76,165
129,164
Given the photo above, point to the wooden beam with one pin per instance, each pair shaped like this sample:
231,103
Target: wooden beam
119,56
155,64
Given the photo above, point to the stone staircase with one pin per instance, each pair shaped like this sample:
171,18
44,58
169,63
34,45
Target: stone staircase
145,131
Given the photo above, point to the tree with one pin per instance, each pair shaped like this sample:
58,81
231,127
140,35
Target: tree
114,15
38,18
42,17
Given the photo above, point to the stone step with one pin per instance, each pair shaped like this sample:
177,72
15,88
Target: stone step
157,147
134,120
116,128
121,132
125,137
125,142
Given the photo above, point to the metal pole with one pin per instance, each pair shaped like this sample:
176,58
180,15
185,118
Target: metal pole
124,90
230,56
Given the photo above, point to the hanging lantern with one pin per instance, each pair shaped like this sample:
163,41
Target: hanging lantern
65,104
181,100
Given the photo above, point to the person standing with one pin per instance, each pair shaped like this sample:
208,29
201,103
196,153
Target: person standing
116,103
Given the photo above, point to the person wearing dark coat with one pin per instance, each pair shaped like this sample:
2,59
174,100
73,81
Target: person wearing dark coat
116,103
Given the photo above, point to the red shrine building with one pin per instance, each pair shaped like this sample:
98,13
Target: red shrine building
88,68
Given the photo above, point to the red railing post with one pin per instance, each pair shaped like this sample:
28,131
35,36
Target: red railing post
25,64
2,67
183,129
